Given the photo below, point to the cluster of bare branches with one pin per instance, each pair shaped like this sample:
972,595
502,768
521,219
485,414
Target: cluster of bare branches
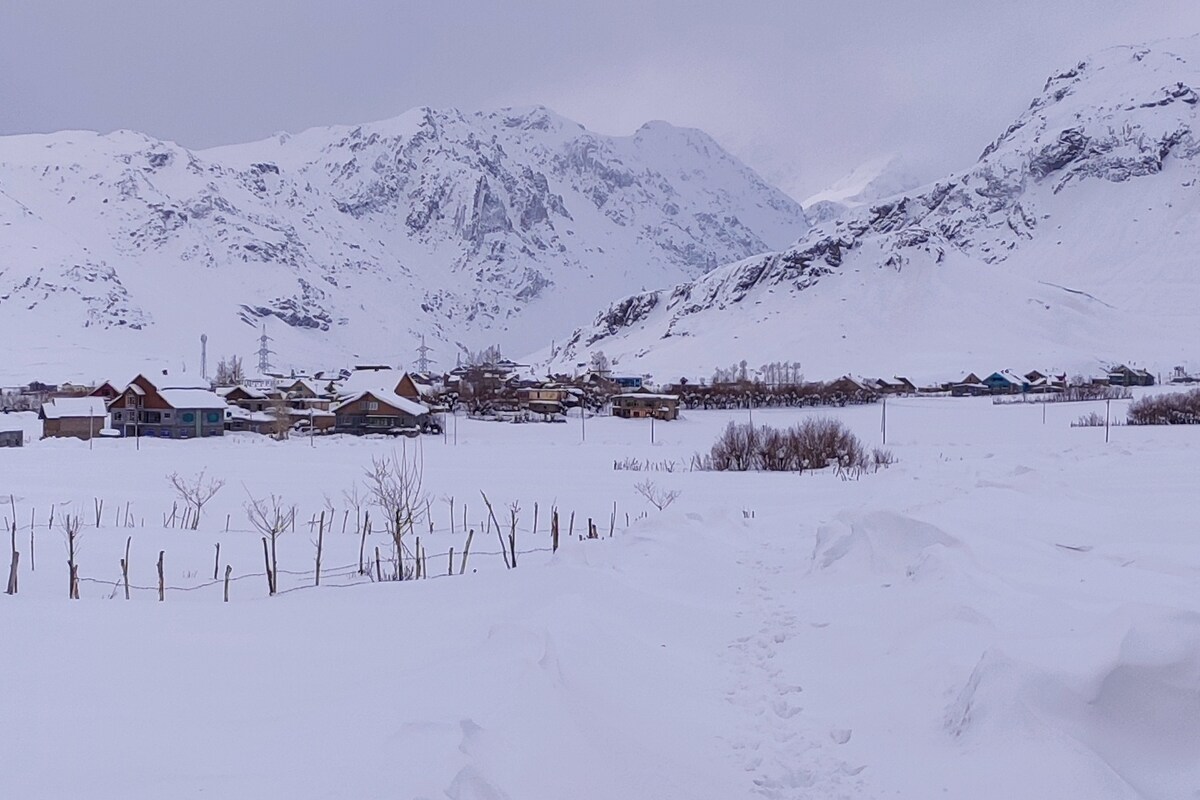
395,485
655,496
194,492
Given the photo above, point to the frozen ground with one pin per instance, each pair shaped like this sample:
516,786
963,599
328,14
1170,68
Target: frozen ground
1010,611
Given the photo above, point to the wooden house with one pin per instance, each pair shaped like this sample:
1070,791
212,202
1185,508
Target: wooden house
1005,382
850,386
77,417
246,397
418,388
547,399
638,405
106,391
380,411
1122,375
143,409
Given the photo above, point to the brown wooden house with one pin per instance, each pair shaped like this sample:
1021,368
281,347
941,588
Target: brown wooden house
639,405
379,411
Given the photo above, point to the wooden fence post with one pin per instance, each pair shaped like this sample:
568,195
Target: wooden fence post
125,566
466,552
228,570
217,561
378,569
12,573
554,531
162,589
320,544
267,563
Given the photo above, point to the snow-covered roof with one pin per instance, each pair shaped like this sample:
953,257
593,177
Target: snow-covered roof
255,394
62,407
647,396
237,412
193,398
362,380
391,398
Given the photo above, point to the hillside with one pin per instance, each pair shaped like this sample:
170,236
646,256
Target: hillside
1070,243
469,229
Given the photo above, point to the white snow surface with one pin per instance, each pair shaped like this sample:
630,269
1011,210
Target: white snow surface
1008,611
1070,243
117,251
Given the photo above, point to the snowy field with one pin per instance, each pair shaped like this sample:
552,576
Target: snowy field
1010,611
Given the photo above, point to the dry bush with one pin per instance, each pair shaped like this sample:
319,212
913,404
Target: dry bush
195,492
815,443
655,496
1179,408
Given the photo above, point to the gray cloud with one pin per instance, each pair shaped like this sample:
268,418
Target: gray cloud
802,90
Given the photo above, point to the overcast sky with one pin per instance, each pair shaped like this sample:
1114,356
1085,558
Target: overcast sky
803,91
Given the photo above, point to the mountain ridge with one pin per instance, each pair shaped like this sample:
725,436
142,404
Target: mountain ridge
1067,244
354,241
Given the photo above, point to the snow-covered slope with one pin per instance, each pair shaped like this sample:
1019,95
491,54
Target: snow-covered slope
1071,241
467,228
869,182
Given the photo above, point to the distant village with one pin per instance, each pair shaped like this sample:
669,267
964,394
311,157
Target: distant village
382,400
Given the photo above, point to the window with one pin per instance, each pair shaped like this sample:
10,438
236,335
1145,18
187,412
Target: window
188,417
213,418
372,405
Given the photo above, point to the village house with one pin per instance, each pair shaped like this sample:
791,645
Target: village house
246,397
1122,375
1005,382
637,405
105,391
546,399
380,411
850,386
77,417
143,409
970,386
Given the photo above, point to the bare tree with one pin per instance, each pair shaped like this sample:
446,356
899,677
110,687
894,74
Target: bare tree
271,518
281,419
72,526
395,485
659,498
195,492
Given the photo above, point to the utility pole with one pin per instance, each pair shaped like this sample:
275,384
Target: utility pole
884,423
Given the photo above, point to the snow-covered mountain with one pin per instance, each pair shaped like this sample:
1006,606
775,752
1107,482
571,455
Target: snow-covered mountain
1072,241
468,229
869,182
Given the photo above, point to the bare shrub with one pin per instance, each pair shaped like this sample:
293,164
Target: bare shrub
271,518
815,443
882,457
1179,408
1092,419
655,496
195,492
